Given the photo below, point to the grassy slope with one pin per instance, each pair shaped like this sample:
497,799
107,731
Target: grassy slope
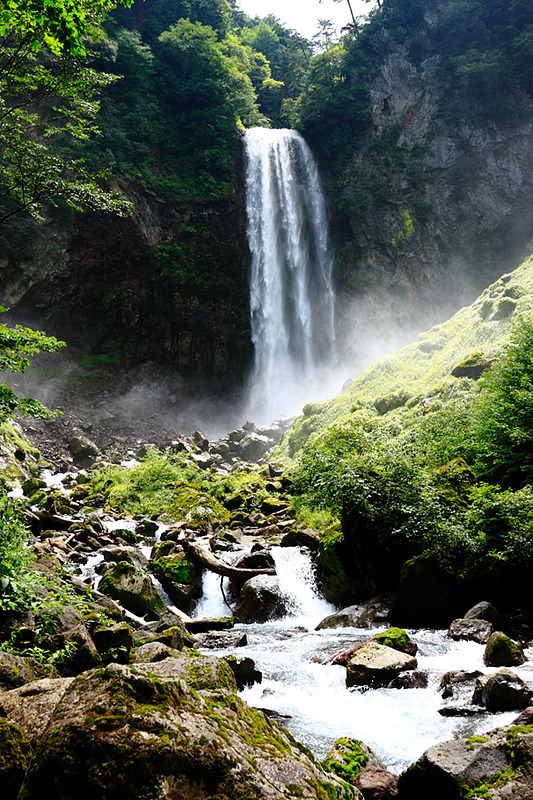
416,369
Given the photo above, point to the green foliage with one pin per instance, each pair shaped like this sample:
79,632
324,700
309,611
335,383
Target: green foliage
505,410
16,581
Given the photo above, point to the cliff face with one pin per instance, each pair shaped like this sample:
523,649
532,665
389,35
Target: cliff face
129,287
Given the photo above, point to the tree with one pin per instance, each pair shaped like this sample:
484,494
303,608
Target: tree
47,92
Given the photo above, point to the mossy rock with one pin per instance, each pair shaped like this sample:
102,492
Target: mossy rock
348,757
394,400
472,367
181,578
398,639
15,755
502,651
195,507
132,588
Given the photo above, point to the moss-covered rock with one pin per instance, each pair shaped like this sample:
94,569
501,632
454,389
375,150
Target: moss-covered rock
133,588
18,670
170,729
374,665
502,651
14,757
348,757
398,639
181,578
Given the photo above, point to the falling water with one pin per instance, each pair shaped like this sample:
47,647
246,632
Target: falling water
291,291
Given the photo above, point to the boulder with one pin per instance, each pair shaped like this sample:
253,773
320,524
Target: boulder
376,783
475,630
17,670
173,729
364,615
133,589
348,757
244,671
260,599
447,771
301,537
455,679
114,642
153,651
180,577
14,758
254,446
398,640
85,451
221,640
17,626
67,631
31,705
501,651
501,691
409,680
485,610
376,665
114,553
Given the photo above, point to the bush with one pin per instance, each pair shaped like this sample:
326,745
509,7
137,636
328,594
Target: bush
16,580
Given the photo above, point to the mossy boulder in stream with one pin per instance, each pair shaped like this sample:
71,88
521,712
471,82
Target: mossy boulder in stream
172,729
502,651
398,639
133,588
180,577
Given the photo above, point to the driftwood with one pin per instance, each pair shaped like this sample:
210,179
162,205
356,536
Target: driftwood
200,550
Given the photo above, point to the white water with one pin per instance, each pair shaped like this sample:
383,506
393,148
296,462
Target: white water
291,293
399,724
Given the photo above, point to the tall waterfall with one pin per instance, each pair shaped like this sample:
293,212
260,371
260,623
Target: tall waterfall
291,292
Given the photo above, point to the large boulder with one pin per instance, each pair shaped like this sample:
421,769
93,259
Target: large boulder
31,705
375,665
501,651
447,771
66,631
485,610
364,615
377,783
398,639
173,729
14,758
474,630
261,599
133,588
501,691
348,757
180,577
18,670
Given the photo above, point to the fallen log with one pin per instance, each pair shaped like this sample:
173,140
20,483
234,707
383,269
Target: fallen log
201,551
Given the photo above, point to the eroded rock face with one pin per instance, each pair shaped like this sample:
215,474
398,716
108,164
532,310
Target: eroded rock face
375,664
174,729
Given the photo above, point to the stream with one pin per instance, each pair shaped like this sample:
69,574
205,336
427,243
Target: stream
398,724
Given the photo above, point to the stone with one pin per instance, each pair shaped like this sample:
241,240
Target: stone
501,651
114,642
17,670
485,610
114,553
171,729
84,450
15,754
221,640
244,671
398,640
180,577
364,615
260,599
30,706
254,446
456,678
68,632
474,630
133,589
409,680
501,691
377,784
302,537
376,665
17,625
348,757
152,652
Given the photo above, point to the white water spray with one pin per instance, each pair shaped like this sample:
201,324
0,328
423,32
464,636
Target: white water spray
291,291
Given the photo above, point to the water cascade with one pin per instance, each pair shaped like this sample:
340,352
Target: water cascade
291,291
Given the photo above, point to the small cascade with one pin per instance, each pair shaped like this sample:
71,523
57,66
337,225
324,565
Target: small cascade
291,292
297,582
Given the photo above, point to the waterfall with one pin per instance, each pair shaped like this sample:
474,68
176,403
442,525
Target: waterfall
291,292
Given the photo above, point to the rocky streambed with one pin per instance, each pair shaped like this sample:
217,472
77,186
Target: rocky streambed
137,672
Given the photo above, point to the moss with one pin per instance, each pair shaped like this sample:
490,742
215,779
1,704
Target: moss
346,759
484,789
395,638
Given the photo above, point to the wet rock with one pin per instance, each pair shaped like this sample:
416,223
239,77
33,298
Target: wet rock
364,615
114,554
259,558
244,671
31,705
409,680
114,642
181,578
202,624
447,770
15,754
17,670
175,728
200,441
261,599
254,446
348,757
85,451
525,718
133,589
456,678
146,527
501,691
460,711
221,640
398,639
176,637
485,610
377,784
376,665
501,651
299,537
475,630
